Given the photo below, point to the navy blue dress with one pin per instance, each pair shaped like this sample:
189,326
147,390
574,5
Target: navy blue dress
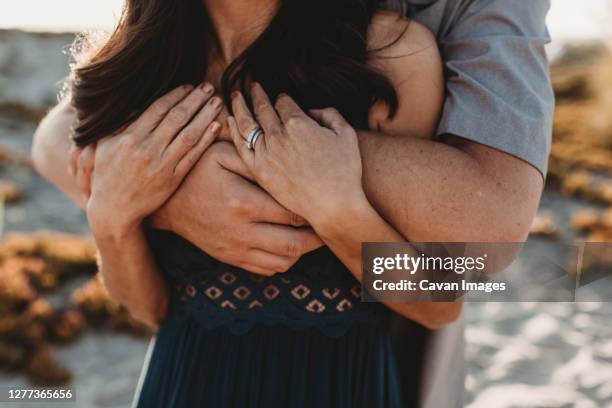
297,339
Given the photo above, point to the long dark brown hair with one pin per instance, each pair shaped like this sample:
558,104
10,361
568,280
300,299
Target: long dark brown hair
314,50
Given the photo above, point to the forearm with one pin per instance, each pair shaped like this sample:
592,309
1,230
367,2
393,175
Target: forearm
127,266
50,150
131,275
360,223
436,192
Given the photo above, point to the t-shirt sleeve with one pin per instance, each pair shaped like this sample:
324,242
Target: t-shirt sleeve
499,92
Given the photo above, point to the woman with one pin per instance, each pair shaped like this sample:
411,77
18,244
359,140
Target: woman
231,337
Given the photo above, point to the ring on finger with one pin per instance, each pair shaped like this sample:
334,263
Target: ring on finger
252,137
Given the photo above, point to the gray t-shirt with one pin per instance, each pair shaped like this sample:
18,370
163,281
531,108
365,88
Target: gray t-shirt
498,93
498,90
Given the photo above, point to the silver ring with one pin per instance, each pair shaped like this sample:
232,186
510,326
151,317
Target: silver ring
253,136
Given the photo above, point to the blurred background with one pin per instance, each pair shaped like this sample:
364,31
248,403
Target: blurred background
57,325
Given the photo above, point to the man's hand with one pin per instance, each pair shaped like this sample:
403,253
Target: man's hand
233,220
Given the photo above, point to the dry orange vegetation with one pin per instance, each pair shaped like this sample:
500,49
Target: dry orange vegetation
32,266
581,153
582,79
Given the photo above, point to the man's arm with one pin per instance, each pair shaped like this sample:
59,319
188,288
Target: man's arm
443,192
481,179
50,151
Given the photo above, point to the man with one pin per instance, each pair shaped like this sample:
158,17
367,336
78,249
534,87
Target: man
480,180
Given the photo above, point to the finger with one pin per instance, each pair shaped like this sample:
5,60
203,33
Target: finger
192,133
330,118
73,159
178,117
266,210
284,240
246,154
193,155
264,111
243,116
267,261
154,114
257,270
231,161
288,109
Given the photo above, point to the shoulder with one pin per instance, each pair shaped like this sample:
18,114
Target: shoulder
390,34
407,53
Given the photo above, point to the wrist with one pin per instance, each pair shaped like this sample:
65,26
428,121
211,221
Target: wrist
340,216
113,228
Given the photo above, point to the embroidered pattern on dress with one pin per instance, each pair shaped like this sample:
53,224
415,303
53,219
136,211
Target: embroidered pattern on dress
230,291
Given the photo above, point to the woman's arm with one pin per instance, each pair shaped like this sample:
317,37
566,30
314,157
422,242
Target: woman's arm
319,178
344,235
51,148
134,173
413,65
131,275
125,262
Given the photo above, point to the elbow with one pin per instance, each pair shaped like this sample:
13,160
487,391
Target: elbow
36,154
507,229
50,138
491,225
39,155
152,314
502,241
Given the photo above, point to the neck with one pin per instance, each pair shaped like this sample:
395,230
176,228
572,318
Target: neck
238,23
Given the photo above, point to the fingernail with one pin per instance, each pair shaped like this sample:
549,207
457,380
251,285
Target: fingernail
188,87
235,94
216,102
207,87
254,85
215,126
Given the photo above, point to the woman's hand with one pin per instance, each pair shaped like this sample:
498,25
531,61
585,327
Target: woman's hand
312,170
137,170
